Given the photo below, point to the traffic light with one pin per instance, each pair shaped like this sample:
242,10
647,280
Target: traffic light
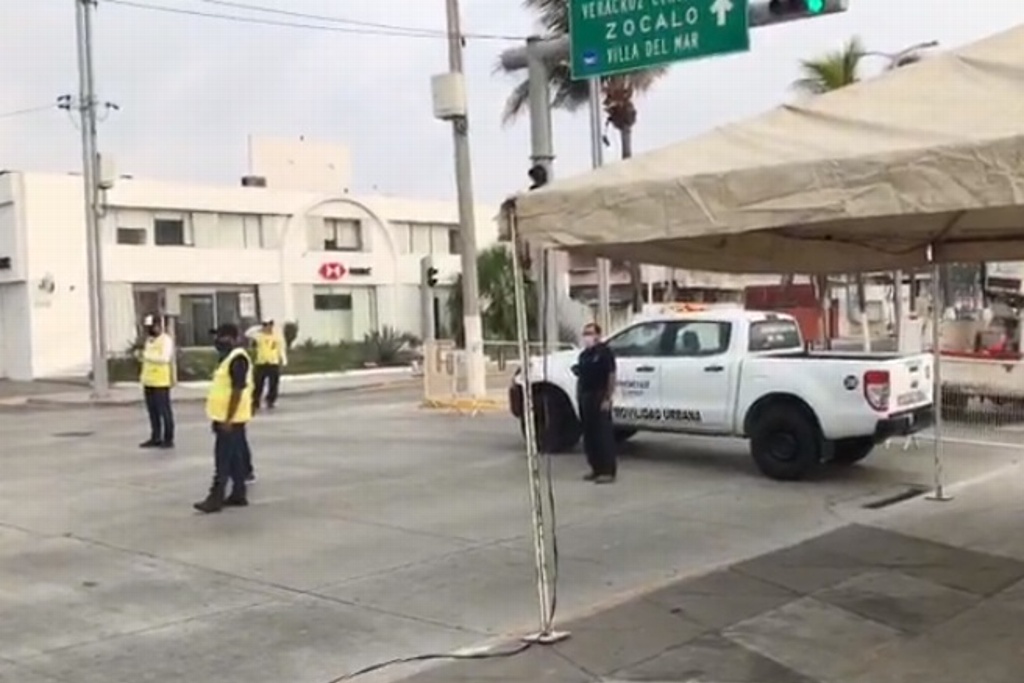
539,175
431,278
779,11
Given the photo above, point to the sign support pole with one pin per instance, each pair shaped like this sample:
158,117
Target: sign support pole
604,314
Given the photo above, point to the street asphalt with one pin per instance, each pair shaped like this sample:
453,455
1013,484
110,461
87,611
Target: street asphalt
377,530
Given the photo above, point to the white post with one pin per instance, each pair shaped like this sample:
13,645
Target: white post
938,305
604,311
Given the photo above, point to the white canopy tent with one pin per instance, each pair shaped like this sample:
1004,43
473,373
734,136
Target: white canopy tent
864,178
922,164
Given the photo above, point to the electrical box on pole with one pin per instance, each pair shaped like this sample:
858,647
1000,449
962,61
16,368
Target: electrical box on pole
781,11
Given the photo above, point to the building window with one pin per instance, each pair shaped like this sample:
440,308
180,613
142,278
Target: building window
169,232
252,228
454,241
133,236
332,302
342,234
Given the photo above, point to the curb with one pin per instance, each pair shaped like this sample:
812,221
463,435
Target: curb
464,405
43,402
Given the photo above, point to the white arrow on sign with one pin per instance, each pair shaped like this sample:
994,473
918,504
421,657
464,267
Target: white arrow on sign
721,9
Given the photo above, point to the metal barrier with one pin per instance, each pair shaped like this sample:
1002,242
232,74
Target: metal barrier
983,401
445,375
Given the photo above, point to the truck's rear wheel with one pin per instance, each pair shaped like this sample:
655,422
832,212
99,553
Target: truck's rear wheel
558,429
851,451
785,442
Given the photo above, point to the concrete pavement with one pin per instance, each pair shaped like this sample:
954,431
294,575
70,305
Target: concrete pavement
377,530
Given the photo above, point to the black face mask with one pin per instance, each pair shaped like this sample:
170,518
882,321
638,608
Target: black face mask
152,331
223,346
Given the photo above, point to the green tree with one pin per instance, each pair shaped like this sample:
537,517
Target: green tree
618,98
496,274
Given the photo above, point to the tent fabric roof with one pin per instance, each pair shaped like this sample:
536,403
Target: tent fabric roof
863,178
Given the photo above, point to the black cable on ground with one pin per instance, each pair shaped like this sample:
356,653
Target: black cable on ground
501,654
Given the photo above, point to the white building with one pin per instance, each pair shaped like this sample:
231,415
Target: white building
292,245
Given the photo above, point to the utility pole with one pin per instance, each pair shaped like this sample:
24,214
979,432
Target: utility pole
542,154
90,175
473,325
604,310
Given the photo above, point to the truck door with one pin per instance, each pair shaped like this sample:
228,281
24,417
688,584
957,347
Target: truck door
698,377
638,374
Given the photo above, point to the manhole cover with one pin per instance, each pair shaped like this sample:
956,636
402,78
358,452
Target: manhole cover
73,435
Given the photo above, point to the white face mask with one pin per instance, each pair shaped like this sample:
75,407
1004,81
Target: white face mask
589,340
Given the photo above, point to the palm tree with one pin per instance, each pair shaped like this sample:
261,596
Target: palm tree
618,98
832,71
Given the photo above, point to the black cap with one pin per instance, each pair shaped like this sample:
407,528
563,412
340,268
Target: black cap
225,330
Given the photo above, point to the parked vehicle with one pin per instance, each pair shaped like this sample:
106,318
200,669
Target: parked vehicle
739,373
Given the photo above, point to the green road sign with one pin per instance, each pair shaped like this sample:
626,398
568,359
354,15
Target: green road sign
617,36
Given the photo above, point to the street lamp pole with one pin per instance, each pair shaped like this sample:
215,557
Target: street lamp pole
896,60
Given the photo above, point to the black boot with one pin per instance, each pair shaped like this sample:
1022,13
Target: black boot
237,499
214,500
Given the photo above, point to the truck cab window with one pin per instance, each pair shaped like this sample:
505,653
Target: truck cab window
700,338
775,335
639,341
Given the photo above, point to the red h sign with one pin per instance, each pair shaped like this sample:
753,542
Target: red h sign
332,271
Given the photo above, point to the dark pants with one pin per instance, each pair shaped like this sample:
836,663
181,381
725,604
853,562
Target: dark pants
229,448
161,416
598,439
267,377
247,469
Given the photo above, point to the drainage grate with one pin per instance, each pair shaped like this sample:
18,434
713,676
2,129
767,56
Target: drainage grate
73,435
904,495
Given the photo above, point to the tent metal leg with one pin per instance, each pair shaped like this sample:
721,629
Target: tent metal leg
939,493
540,531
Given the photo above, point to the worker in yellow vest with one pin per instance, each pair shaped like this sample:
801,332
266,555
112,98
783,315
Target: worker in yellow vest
271,356
229,408
156,378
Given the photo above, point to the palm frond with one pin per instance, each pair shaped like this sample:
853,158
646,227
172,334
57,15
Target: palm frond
516,102
831,71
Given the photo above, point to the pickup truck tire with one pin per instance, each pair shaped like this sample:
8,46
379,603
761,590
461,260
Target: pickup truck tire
785,442
851,451
558,428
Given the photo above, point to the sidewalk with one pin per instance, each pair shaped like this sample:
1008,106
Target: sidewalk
930,592
291,385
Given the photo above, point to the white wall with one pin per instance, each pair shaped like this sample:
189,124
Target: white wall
15,340
46,224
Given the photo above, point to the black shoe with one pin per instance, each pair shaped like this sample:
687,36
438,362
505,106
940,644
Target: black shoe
166,445
250,478
152,443
590,477
270,406
605,479
234,501
210,505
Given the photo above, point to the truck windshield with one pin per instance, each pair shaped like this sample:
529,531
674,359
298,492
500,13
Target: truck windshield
773,335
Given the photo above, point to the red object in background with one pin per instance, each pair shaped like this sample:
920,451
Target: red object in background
332,271
799,301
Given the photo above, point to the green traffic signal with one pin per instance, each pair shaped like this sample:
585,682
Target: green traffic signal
815,6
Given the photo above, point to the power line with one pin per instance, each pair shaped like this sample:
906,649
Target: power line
332,20
29,110
354,28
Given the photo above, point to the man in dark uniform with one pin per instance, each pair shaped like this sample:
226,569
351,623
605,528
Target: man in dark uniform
595,386
229,408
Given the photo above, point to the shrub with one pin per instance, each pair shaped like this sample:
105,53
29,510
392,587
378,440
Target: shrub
291,333
388,348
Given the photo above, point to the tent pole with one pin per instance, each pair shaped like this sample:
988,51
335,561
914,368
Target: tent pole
545,591
939,491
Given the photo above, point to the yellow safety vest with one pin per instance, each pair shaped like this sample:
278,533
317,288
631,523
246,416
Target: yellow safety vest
155,374
219,398
268,349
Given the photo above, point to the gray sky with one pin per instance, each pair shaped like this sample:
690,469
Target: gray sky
191,88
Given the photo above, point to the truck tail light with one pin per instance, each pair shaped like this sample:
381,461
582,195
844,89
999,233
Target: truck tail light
877,389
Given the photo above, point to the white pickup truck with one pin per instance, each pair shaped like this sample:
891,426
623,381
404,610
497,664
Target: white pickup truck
746,374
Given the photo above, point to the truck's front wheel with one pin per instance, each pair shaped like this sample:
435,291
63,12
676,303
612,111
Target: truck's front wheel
785,442
558,429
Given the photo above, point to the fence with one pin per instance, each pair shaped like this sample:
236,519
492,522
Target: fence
445,375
